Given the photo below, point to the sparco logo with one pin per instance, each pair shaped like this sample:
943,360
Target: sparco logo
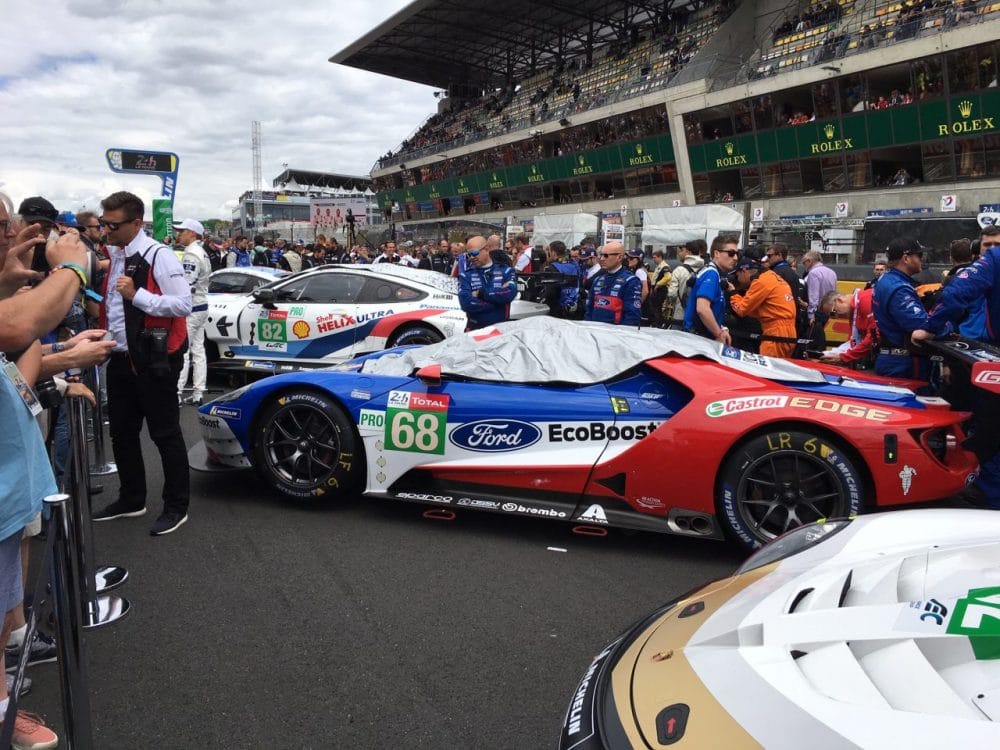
516,508
749,403
426,498
495,435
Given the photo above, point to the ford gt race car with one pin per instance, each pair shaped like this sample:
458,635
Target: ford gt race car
595,425
881,632
332,313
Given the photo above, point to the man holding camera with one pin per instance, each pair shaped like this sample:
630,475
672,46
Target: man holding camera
146,303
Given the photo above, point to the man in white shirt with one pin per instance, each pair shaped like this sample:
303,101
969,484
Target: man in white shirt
197,268
146,303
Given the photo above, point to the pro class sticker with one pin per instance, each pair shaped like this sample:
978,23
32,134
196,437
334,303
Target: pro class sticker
416,422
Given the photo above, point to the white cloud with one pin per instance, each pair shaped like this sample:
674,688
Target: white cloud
189,76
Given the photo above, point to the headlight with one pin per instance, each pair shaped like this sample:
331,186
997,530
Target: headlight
793,542
231,396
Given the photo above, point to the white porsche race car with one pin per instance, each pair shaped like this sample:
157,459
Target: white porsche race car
332,313
878,632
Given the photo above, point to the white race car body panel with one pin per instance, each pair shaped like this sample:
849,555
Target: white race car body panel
887,634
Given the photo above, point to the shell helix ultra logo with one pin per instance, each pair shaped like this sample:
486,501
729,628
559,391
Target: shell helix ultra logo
968,123
831,144
640,157
535,175
731,159
495,181
583,167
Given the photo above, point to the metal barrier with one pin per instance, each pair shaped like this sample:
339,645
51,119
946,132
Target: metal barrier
100,467
79,598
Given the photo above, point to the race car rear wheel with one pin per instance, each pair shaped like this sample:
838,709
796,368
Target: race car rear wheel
781,479
304,446
420,334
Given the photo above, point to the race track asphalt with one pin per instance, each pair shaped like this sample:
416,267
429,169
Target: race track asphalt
261,624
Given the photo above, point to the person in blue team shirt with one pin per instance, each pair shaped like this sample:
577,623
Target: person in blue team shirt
705,312
485,288
899,312
967,291
615,292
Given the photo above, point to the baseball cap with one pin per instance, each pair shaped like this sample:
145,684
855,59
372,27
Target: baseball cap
300,242
192,224
634,253
67,218
901,246
588,252
37,209
746,262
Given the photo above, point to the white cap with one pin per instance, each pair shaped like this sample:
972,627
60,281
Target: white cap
192,224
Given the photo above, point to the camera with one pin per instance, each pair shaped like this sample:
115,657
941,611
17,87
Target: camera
47,393
40,263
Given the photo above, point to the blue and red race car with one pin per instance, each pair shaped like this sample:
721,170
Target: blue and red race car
596,425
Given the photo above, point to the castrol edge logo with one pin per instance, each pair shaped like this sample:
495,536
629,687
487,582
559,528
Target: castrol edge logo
746,403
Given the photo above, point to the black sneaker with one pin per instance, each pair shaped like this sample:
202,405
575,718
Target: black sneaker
41,650
119,509
168,522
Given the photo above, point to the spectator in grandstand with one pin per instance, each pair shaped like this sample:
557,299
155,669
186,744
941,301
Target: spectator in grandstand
899,312
145,307
485,289
902,177
691,257
768,299
705,312
197,269
820,279
859,349
615,292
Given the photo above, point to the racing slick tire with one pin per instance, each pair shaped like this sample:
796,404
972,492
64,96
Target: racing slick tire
304,446
420,334
781,479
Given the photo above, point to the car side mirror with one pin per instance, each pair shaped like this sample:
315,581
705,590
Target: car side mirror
430,375
264,297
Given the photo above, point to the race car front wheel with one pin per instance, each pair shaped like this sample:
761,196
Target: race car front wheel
304,446
421,335
776,481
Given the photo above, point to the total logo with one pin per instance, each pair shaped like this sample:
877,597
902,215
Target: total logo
747,403
495,435
517,508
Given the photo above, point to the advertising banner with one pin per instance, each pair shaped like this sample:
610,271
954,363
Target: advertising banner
163,164
163,218
331,214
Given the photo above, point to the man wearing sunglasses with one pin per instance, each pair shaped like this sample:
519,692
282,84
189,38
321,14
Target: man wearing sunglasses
705,312
485,288
899,312
146,303
615,292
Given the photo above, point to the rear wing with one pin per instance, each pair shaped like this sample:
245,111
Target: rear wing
983,360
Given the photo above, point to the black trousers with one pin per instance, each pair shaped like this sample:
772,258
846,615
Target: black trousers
133,398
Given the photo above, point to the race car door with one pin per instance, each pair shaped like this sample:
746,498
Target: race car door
313,318
522,449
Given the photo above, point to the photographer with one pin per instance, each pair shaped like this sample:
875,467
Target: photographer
146,302
25,474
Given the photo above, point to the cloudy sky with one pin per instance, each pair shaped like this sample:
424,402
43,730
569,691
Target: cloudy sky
189,76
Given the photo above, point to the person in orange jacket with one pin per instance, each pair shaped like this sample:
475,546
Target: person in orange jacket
767,298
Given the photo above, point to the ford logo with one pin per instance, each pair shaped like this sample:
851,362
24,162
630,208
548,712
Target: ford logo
495,435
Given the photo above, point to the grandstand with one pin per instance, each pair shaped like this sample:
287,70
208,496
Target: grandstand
814,117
